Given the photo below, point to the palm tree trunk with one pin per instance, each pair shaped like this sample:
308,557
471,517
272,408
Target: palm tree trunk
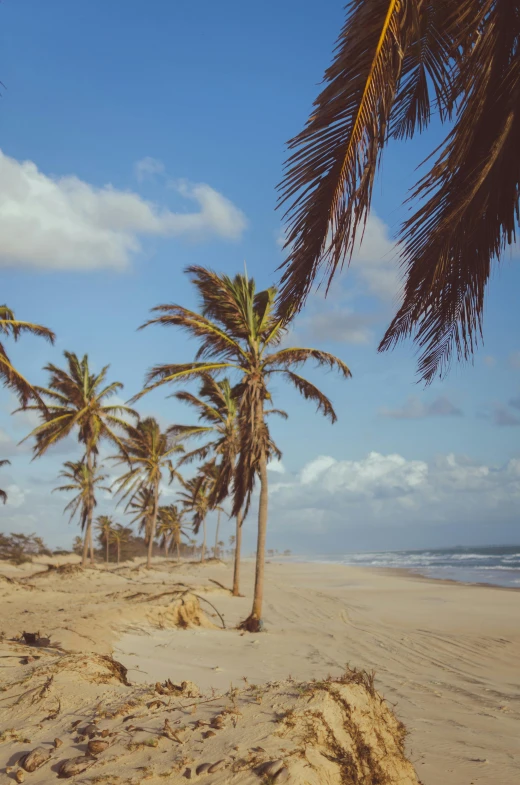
238,544
203,549
118,551
108,545
88,528
165,547
153,524
178,551
253,623
216,535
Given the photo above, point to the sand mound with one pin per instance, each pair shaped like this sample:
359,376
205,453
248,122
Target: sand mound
348,735
80,707
60,571
182,611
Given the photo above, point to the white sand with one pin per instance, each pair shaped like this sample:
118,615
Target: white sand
446,656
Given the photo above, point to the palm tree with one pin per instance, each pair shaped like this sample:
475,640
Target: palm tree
76,400
142,505
394,63
105,527
12,378
217,405
120,535
240,329
3,494
83,481
148,452
169,520
196,499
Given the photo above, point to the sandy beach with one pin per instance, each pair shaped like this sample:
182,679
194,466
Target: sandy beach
445,655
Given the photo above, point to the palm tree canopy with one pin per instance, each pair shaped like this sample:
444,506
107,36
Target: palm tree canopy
240,330
148,451
83,483
142,504
217,405
3,494
105,526
394,63
170,523
196,496
77,398
13,379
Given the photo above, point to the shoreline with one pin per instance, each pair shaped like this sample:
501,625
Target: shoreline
411,572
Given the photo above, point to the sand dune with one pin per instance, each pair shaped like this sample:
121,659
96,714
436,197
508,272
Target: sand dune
446,660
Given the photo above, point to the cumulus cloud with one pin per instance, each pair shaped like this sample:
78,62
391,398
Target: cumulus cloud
393,490
275,465
148,168
340,325
415,409
374,259
67,224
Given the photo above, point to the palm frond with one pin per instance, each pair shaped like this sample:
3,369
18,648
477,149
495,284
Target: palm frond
329,177
470,211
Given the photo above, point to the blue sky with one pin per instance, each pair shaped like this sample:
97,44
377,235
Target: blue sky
140,138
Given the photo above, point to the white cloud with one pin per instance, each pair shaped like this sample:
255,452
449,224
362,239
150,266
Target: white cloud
340,325
275,465
415,409
375,260
15,495
147,168
65,223
392,490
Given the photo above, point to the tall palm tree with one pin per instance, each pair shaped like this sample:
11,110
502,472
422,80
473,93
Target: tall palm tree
394,63
169,527
78,400
13,379
120,535
84,481
240,330
217,406
3,494
105,527
148,452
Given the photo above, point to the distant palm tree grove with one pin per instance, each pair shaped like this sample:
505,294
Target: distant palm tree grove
213,465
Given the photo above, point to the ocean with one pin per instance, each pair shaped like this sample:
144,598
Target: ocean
498,565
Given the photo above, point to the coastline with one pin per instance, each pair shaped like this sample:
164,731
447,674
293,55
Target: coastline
445,654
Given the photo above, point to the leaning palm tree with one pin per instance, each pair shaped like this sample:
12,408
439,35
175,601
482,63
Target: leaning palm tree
78,400
3,494
83,481
170,528
396,64
12,378
240,330
105,526
148,452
